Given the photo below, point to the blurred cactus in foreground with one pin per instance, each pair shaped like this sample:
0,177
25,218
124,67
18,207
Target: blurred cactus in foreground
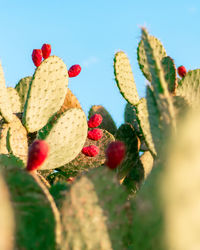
59,194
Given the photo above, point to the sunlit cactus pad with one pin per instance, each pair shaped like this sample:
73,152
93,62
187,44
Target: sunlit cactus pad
5,106
22,89
65,136
159,50
124,78
46,93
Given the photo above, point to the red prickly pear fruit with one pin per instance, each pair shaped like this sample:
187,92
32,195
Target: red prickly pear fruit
115,154
74,70
91,150
37,153
182,71
95,121
95,134
37,57
46,50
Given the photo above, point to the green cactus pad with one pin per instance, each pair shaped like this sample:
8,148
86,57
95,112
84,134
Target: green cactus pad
147,162
124,78
22,89
14,100
83,162
107,123
6,218
96,205
127,134
143,118
65,136
159,84
180,186
148,217
142,58
170,73
34,210
70,102
14,136
130,116
189,88
46,93
5,106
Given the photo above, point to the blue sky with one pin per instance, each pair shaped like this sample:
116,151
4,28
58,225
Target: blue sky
89,33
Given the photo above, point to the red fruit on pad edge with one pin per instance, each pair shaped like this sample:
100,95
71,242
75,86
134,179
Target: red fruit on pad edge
74,70
95,134
95,121
91,150
182,71
37,57
38,152
115,154
46,50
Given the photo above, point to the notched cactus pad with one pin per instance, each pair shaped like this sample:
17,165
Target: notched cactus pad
22,89
46,93
5,106
189,88
65,136
124,78
83,162
142,58
107,123
89,213
36,223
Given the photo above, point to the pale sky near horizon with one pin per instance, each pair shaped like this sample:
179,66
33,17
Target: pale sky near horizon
89,33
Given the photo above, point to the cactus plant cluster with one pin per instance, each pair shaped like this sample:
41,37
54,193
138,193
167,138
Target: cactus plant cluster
66,184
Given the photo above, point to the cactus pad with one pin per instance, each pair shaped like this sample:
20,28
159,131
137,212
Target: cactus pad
142,58
107,123
124,78
65,136
92,210
143,117
46,93
147,162
33,210
14,100
189,87
14,137
170,73
22,89
6,218
5,106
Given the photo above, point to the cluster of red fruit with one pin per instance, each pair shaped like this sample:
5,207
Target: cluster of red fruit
45,52
94,134
115,151
38,54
